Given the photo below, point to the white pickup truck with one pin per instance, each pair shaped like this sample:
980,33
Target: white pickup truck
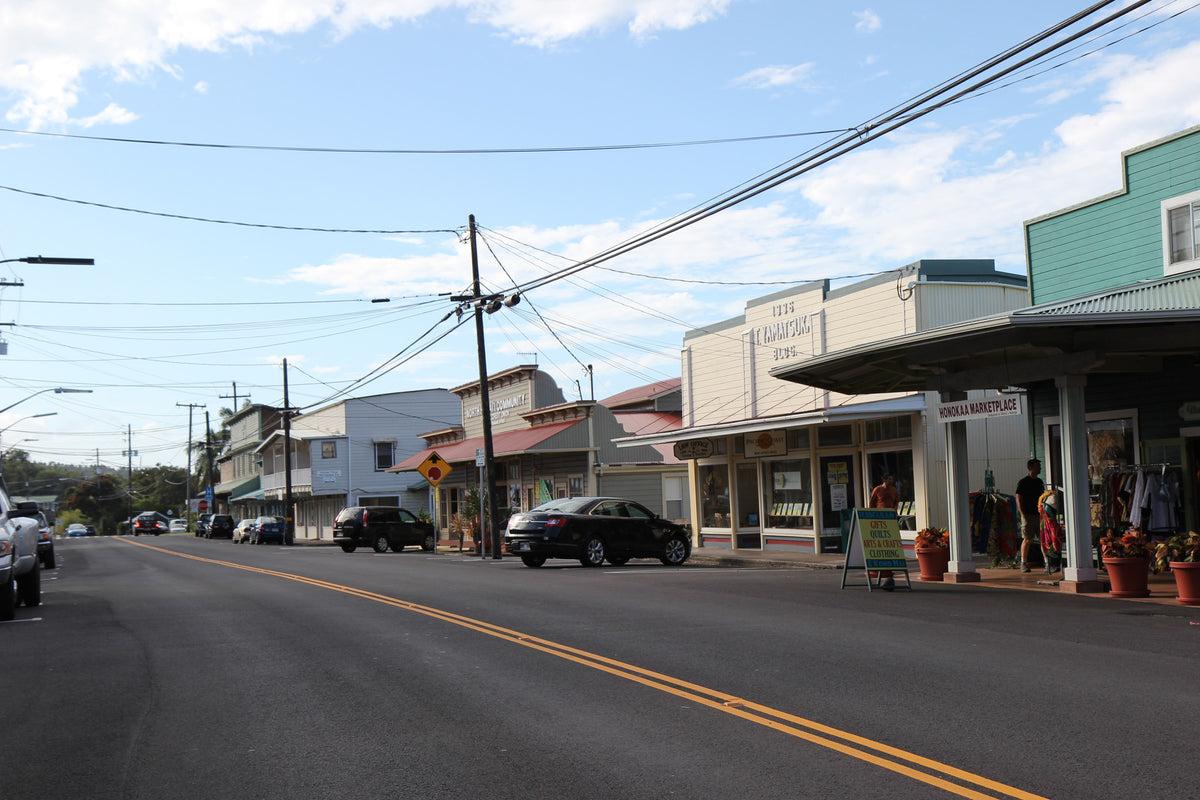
20,570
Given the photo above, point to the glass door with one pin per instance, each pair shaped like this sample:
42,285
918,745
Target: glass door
749,528
838,495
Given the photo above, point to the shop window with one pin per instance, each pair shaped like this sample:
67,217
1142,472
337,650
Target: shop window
575,485
789,494
1111,441
797,439
328,449
714,495
835,435
673,488
898,464
385,455
883,430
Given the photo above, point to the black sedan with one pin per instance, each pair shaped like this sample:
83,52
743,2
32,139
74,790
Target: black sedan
595,530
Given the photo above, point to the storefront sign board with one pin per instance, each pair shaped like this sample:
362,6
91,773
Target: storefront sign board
1005,405
875,545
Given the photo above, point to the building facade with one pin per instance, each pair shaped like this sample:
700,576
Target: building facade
774,465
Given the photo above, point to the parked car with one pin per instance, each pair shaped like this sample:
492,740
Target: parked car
177,526
242,531
91,530
77,529
220,526
149,523
202,524
381,527
595,530
20,568
268,529
45,544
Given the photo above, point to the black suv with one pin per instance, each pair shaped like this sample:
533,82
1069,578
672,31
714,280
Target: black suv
381,527
149,523
220,527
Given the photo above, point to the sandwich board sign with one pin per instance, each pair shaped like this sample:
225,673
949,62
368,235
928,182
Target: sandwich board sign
875,546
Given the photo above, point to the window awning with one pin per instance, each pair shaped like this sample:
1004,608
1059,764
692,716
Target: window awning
508,443
875,409
250,490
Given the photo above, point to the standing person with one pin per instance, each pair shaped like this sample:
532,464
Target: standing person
1029,489
886,495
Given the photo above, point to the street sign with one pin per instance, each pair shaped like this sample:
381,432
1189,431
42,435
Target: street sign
434,469
480,458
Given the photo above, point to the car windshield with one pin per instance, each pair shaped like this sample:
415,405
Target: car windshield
567,505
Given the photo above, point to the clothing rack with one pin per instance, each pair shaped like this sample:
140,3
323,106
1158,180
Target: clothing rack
1142,496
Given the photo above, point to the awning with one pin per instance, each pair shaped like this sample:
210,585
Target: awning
250,490
875,409
508,443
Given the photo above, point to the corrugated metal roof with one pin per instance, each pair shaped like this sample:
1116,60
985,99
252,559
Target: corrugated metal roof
1174,293
503,444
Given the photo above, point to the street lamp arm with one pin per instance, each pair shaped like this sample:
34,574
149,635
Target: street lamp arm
76,262
56,390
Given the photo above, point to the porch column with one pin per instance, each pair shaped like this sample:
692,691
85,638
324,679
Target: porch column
962,565
1081,575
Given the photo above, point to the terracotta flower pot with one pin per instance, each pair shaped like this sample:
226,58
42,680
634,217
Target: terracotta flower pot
1187,581
934,562
1129,576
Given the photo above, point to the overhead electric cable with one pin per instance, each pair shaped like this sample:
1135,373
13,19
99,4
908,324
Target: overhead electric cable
434,152
873,129
225,221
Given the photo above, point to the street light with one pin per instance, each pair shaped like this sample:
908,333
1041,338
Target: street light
56,390
74,262
29,416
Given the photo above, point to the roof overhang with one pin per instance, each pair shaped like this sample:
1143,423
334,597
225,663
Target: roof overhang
874,409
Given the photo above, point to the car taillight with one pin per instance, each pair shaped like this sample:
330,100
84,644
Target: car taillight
556,522
364,520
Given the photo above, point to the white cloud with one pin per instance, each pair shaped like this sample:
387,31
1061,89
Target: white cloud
868,21
201,87
48,47
775,77
112,114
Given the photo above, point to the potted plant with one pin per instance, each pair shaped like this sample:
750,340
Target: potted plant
1181,555
932,546
1126,557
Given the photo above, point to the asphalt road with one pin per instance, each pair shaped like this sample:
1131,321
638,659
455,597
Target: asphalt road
176,667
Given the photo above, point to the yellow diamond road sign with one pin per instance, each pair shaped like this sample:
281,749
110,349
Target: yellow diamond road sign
433,469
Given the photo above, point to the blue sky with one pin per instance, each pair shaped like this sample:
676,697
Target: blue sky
177,310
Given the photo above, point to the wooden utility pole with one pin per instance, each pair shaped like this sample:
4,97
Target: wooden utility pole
485,403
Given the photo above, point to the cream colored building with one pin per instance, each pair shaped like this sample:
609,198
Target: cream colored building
773,464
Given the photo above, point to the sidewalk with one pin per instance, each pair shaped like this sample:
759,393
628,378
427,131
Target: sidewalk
1162,587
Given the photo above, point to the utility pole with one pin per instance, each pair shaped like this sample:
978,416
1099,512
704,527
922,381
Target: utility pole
187,481
130,453
289,530
485,403
234,396
209,498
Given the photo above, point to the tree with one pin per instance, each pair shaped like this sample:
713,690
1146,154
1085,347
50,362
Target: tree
160,488
101,499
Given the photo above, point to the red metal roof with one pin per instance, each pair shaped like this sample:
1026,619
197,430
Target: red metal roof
503,444
647,392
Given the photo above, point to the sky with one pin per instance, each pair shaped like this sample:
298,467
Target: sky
254,179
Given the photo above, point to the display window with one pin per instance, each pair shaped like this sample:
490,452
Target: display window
714,495
789,494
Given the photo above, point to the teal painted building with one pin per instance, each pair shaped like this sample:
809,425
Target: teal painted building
1144,231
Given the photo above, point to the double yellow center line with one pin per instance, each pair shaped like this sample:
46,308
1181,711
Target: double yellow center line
926,770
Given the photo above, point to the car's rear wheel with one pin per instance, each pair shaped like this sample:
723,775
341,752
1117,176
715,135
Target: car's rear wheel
380,544
29,587
675,552
349,548
429,543
533,561
618,561
48,562
593,552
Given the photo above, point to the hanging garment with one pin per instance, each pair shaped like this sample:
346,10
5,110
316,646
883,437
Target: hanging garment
1049,512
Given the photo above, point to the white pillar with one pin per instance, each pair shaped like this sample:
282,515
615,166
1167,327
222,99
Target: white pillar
1081,575
962,565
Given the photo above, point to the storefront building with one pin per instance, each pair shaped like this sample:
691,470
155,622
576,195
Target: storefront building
1107,357
773,465
544,447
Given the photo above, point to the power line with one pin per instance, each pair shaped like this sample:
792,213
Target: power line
225,221
433,152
